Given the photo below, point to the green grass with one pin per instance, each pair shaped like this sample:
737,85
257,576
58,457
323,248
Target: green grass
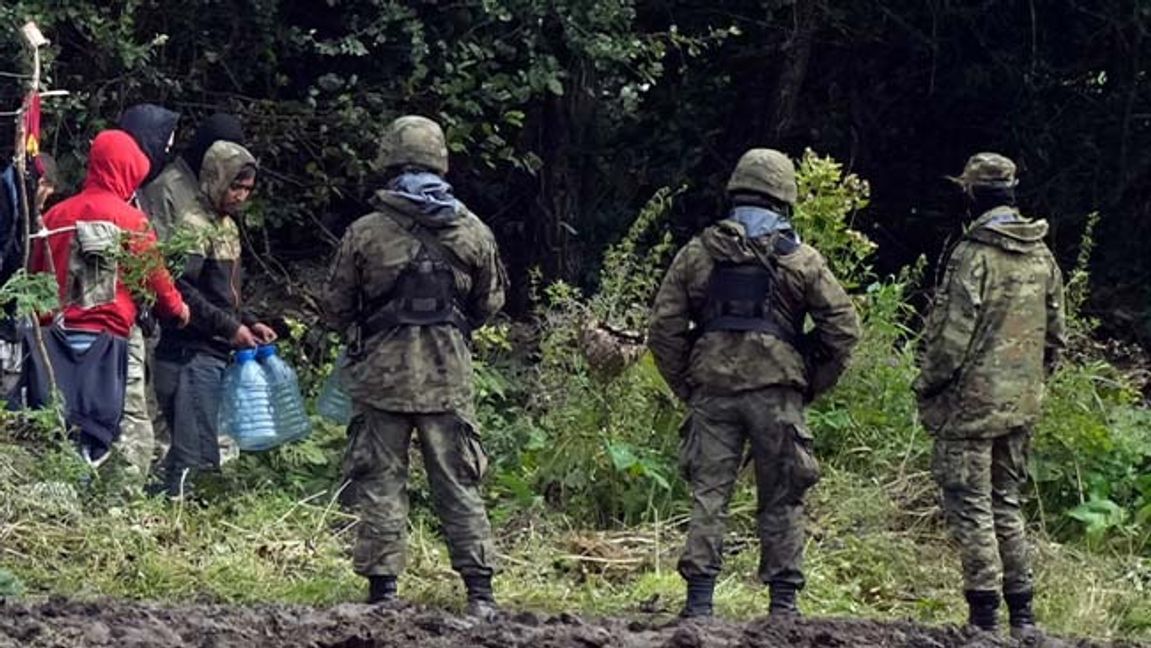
875,550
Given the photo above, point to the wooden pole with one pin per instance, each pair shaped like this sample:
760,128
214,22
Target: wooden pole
34,40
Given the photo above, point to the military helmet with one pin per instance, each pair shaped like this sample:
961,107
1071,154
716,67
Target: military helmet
415,140
765,171
987,170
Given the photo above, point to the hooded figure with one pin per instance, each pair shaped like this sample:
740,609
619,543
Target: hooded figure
727,335
154,128
220,126
93,294
996,326
177,188
410,282
87,234
190,362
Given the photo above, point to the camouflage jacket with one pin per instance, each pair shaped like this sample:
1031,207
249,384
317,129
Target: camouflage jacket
726,362
997,319
411,368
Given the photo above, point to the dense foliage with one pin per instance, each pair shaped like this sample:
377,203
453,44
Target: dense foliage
565,117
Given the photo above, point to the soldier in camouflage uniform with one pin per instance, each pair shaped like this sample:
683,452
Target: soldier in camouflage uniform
409,284
727,335
997,323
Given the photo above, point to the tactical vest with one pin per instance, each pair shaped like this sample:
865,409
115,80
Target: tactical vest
739,298
425,293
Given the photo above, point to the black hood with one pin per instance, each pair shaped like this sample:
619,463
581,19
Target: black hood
152,127
220,126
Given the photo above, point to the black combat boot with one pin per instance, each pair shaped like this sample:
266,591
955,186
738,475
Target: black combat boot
1022,619
984,606
481,600
700,590
783,601
382,589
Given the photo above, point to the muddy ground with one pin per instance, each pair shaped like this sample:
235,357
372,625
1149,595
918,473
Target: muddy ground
61,623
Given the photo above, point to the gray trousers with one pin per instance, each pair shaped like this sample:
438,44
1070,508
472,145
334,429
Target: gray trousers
189,394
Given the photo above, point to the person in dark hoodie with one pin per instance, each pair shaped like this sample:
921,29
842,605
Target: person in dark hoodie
410,282
172,188
996,323
190,361
154,129
727,334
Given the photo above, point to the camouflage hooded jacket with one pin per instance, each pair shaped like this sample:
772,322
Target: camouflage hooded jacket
411,368
727,362
997,319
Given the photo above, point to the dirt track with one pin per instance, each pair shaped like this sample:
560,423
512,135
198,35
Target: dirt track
60,623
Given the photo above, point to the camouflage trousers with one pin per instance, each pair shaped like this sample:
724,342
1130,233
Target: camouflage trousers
375,469
981,481
137,442
711,455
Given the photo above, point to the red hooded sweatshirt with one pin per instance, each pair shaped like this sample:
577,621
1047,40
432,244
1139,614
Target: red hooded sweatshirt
116,166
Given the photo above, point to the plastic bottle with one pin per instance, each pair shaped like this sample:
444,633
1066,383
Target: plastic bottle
334,403
246,407
291,417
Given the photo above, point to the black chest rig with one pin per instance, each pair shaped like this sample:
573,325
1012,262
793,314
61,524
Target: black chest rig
739,298
425,293
742,297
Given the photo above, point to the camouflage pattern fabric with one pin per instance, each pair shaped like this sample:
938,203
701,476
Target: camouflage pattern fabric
375,468
137,441
711,455
765,171
982,480
987,170
415,369
997,320
414,140
750,386
728,362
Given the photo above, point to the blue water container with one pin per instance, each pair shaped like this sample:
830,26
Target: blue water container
292,421
334,403
246,412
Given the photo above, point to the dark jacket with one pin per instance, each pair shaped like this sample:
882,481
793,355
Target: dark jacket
91,382
212,275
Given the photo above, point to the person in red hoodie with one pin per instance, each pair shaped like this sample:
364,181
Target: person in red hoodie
81,244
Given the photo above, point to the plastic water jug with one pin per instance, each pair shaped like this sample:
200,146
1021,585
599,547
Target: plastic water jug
246,407
291,417
334,403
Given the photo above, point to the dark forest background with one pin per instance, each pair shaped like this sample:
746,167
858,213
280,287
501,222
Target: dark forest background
566,115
